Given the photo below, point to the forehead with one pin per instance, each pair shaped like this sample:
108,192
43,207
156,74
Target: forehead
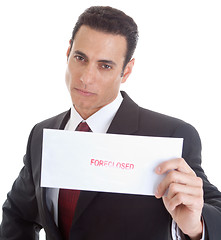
101,44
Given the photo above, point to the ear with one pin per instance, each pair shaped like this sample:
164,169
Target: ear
69,49
128,70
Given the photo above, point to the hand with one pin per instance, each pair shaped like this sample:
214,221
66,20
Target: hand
184,199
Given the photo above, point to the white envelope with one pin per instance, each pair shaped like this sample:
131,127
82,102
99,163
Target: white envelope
105,162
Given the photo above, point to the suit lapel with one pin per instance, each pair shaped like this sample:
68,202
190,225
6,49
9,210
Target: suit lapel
50,226
85,199
126,119
58,122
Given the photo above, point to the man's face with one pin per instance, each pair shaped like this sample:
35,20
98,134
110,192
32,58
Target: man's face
94,69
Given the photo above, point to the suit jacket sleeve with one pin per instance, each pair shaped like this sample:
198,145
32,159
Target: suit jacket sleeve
20,211
212,197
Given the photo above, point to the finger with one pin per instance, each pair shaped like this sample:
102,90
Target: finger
177,178
178,164
193,203
175,188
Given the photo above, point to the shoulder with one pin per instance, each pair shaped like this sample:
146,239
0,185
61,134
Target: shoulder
160,124
56,122
151,123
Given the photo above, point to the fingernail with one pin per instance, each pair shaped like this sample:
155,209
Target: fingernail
158,170
157,193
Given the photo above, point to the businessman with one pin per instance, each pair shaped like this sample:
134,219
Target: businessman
99,60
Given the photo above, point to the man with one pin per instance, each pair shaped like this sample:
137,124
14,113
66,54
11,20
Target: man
99,60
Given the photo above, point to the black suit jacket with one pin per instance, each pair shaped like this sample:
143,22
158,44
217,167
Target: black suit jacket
104,216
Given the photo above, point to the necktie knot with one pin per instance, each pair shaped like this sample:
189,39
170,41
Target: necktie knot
83,127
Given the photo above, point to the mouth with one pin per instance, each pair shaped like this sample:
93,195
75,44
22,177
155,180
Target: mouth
84,92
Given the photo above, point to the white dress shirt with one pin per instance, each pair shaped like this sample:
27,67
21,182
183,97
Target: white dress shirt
99,122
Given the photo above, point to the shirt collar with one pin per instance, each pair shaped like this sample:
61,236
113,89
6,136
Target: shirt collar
100,121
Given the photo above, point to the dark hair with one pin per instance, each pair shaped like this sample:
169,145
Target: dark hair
110,20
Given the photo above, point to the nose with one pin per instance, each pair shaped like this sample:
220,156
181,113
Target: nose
88,75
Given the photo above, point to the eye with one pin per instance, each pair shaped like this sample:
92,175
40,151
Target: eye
79,58
105,66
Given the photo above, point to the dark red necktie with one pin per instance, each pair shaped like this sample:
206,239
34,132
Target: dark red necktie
67,200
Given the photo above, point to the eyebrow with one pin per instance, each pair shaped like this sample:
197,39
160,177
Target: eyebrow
81,53
108,62
100,61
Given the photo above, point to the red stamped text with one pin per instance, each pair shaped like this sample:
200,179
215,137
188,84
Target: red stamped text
120,165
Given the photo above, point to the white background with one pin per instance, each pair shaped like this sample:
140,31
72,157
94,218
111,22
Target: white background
177,71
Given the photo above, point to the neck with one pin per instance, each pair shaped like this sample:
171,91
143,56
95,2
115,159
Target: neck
85,114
